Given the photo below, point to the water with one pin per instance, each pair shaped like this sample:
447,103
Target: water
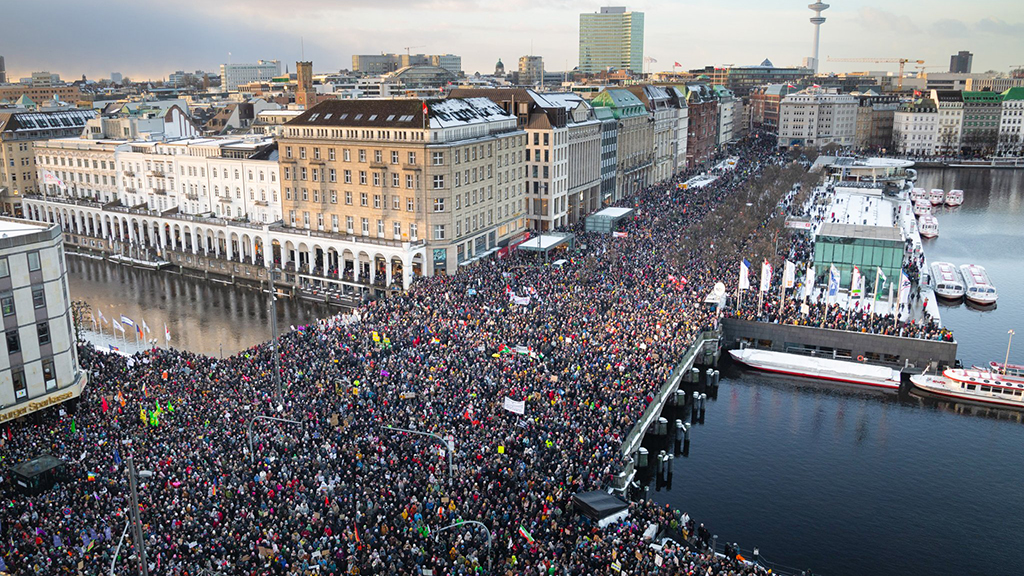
204,317
848,482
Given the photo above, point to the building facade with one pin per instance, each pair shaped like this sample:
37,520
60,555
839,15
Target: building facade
1011,118
950,105
875,114
531,71
234,75
663,116
41,363
729,109
611,39
439,182
960,63
634,154
915,128
814,117
765,102
980,134
702,131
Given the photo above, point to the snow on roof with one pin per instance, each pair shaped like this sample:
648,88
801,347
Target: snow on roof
12,228
614,212
464,112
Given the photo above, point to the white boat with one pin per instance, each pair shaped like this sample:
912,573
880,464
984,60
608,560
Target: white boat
954,197
946,281
937,196
928,226
978,287
922,207
979,386
823,368
1015,370
918,194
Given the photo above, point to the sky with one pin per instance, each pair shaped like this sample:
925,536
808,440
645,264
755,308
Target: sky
152,38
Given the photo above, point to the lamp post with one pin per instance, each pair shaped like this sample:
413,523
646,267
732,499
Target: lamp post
474,522
1007,361
449,447
119,543
140,545
271,276
248,430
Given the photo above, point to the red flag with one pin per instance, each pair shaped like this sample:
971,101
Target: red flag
424,108
104,405
677,65
356,528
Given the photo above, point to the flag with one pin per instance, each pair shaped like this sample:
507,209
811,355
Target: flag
103,405
904,295
114,348
744,275
789,275
72,425
144,327
809,280
102,319
677,65
424,108
117,325
117,457
167,333
855,284
620,235
833,281
879,276
126,320
51,178
525,534
354,527
766,276
138,330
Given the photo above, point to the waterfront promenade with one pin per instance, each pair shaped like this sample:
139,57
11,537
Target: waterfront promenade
339,490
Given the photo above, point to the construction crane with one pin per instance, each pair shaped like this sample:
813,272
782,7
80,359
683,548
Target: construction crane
900,61
921,70
408,48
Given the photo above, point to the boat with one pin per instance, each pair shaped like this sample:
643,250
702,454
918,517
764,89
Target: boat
928,226
946,281
922,207
918,194
821,368
981,386
954,197
978,287
1009,369
937,196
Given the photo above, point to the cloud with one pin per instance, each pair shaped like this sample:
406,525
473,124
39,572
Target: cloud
878,20
949,28
997,26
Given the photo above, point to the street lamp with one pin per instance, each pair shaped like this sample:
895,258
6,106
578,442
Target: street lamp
1007,361
463,523
140,545
271,275
449,445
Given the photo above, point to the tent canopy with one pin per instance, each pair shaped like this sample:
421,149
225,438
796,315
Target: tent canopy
598,505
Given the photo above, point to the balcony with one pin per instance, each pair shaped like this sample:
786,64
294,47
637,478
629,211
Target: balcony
415,167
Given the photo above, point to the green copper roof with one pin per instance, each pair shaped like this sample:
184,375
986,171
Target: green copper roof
1016,93
976,96
622,103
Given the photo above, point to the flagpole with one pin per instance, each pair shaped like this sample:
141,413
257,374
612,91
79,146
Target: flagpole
874,297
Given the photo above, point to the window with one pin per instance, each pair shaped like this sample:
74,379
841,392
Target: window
408,181
409,204
412,231
380,228
33,261
366,226
7,304
333,175
38,297
439,232
378,156
49,374
396,202
376,178
438,204
394,156
348,197
438,181
348,224
334,196
287,153
362,177
396,180
316,155
412,158
13,342
438,158
348,176
346,155
43,331
363,199
20,388
362,155
376,200
302,153
3,268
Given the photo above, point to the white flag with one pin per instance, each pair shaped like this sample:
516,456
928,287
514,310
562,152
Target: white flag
881,275
127,320
789,275
744,275
144,327
833,281
117,325
517,406
809,280
855,283
766,276
167,333
904,288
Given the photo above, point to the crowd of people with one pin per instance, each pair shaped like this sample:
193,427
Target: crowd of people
334,489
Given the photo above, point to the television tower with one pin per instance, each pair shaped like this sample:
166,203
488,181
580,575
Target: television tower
817,20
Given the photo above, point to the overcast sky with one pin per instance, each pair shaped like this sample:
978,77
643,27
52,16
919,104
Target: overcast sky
152,38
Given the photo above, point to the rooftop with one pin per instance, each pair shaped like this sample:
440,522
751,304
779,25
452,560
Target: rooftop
10,228
860,231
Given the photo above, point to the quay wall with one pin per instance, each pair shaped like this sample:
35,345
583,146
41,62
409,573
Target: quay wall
876,348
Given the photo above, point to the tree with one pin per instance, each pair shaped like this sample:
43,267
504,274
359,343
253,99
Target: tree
81,312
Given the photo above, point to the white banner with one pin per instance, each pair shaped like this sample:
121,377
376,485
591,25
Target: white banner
521,300
789,275
517,406
766,276
744,275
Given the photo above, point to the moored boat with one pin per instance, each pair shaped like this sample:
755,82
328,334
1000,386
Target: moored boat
978,288
928,226
980,386
1008,369
937,196
822,368
922,207
946,281
954,197
918,194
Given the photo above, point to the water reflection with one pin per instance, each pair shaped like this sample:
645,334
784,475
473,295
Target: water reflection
202,316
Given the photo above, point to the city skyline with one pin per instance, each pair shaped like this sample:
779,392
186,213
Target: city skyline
745,33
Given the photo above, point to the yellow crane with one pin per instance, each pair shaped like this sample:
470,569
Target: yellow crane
900,61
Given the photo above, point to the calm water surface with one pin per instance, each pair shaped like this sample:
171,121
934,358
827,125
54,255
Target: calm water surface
847,482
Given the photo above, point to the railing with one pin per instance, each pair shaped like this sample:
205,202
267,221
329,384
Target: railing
636,435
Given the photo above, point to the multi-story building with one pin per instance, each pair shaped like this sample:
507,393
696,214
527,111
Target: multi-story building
1011,120
305,95
432,184
915,128
78,168
815,117
764,106
378,64
13,92
980,133
875,115
950,104
729,109
612,39
531,71
563,176
681,129
634,154
960,63
18,134
40,366
609,151
742,79
702,131
3,71
663,116
233,75
449,62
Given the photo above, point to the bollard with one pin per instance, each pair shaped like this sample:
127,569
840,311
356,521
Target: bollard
681,397
714,542
757,553
717,377
661,461
668,465
703,399
709,375
679,429
642,458
662,426
695,375
686,433
696,400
